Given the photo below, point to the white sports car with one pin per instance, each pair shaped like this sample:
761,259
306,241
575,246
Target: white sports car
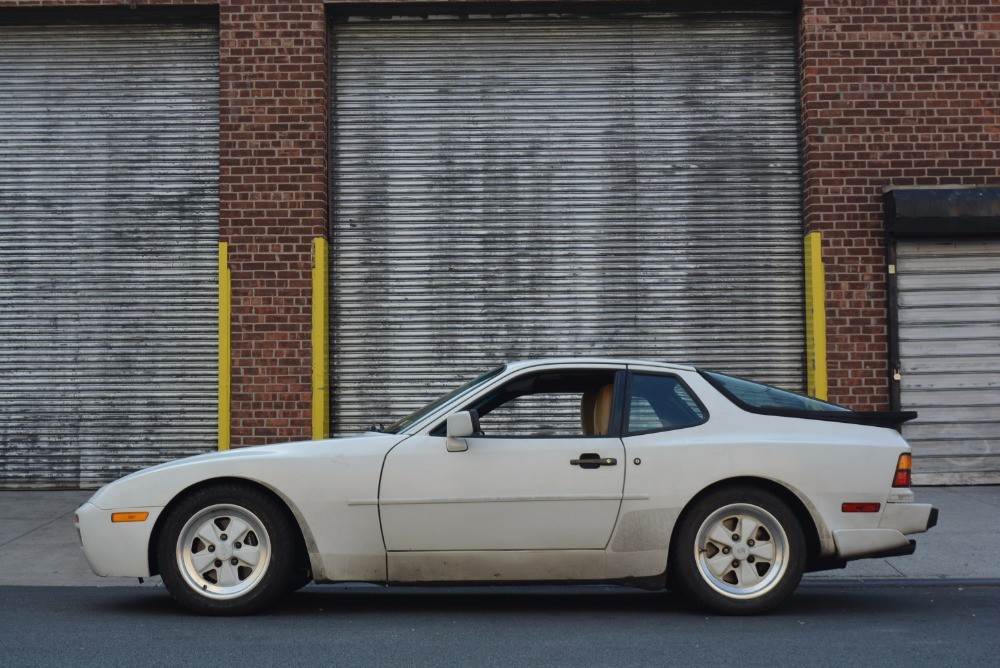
564,470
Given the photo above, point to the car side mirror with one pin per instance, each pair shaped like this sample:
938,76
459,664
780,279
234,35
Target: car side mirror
461,425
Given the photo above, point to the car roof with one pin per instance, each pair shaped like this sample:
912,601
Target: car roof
524,364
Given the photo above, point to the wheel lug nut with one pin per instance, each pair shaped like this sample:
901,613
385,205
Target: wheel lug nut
218,563
736,536
211,548
237,545
725,550
750,542
224,537
234,561
736,563
749,560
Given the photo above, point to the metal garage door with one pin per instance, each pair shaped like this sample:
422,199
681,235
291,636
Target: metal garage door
517,187
108,249
949,347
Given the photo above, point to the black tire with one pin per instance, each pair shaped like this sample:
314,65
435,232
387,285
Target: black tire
227,574
297,582
302,572
719,568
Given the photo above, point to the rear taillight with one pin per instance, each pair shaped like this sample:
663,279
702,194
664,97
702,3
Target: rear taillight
903,471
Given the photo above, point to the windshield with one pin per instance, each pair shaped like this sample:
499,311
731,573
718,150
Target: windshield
756,395
419,415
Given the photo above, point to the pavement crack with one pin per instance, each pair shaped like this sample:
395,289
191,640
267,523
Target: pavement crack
901,573
41,526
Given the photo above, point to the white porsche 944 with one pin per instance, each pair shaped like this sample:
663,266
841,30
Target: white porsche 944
564,470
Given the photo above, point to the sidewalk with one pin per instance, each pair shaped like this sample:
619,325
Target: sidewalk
39,545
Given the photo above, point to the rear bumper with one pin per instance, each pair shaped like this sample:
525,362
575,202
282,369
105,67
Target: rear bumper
907,518
888,540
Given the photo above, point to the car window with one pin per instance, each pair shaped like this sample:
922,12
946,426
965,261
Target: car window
420,414
559,403
756,395
642,417
544,414
658,403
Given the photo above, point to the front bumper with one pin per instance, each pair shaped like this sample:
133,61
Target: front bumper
116,549
888,540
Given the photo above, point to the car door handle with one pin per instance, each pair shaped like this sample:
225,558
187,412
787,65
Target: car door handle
590,460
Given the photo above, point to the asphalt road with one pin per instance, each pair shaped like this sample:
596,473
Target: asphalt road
823,625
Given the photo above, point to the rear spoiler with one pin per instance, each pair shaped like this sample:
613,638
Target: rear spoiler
889,419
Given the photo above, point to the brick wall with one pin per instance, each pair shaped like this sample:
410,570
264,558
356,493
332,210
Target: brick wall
902,92
273,202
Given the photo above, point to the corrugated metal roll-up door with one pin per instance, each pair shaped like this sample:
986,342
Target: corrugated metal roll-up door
949,347
108,249
517,187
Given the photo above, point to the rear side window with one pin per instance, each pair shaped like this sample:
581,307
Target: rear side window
755,395
659,403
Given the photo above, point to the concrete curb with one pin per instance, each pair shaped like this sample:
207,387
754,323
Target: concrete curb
884,583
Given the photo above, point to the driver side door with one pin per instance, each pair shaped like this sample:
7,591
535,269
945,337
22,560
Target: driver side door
534,483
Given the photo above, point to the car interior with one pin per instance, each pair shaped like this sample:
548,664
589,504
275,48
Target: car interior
572,403
580,403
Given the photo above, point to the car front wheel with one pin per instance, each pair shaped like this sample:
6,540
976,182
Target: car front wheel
227,549
739,551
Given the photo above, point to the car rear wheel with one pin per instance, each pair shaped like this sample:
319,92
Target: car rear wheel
227,549
739,550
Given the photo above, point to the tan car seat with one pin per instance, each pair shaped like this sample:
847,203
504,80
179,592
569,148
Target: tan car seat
602,410
595,410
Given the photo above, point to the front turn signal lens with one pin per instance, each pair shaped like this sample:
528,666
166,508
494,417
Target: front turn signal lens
904,473
129,517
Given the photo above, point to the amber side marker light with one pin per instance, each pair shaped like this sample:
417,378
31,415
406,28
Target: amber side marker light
129,517
860,507
903,471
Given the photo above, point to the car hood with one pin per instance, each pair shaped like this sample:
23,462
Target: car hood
156,485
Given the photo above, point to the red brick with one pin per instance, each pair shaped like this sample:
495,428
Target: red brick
915,118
